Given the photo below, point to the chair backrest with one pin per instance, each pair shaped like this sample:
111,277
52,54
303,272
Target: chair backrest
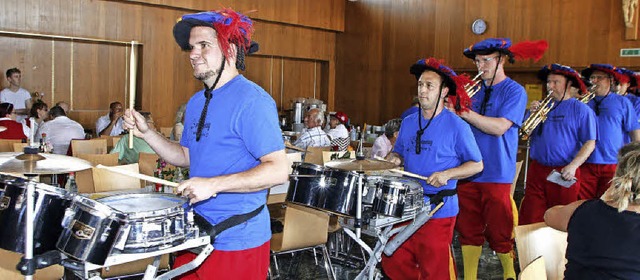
534,271
314,154
537,240
19,147
515,180
148,163
91,146
104,159
101,180
166,131
6,145
302,227
111,140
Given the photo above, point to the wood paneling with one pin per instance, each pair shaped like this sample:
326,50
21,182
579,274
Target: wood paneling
383,38
301,33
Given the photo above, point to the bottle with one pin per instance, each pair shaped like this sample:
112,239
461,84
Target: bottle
358,133
71,185
43,143
353,134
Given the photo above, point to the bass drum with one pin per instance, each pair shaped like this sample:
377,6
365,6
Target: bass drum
49,207
398,197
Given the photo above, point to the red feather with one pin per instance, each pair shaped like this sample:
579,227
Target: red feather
461,93
231,29
529,49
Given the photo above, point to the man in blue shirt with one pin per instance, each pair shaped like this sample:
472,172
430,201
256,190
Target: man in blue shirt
437,144
563,143
629,90
231,142
616,118
487,210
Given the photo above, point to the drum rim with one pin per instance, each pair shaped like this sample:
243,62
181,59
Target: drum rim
90,204
40,187
313,166
139,214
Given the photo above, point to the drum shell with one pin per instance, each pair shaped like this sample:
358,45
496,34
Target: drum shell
305,184
340,197
398,197
49,205
91,230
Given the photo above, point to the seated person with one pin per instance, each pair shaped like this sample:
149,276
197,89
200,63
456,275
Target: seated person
111,124
64,106
602,240
178,127
60,130
312,135
384,143
37,115
14,130
128,156
336,124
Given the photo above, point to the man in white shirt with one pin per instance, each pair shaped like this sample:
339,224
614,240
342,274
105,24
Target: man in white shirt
313,135
111,124
336,122
14,94
60,130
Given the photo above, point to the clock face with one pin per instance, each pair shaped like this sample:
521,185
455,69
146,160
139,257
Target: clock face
479,26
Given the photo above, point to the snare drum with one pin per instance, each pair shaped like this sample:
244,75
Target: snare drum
398,197
49,205
307,184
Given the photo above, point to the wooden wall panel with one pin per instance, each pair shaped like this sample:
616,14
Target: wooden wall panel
383,38
303,32
298,81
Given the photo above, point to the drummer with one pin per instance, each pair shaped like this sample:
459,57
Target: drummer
231,142
446,152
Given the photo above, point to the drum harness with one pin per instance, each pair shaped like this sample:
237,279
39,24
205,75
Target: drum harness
439,196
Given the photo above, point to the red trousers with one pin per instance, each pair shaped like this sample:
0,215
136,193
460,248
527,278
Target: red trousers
595,179
486,211
425,255
242,265
540,194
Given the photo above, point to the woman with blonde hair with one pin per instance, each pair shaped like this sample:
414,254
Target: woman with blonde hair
603,238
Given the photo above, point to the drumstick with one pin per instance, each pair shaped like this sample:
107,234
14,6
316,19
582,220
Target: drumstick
139,176
132,85
409,174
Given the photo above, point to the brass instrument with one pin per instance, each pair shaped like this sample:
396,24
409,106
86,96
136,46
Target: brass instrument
473,87
591,93
536,117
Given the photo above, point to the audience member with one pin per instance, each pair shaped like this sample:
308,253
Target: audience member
60,130
312,135
14,94
336,126
111,124
602,240
178,126
14,129
384,143
64,106
38,113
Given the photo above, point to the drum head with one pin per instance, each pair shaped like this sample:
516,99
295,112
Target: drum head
135,203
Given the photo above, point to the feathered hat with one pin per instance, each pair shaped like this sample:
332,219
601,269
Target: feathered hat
568,72
632,76
520,51
231,28
606,68
457,94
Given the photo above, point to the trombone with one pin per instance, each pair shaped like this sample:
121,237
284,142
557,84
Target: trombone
536,118
474,86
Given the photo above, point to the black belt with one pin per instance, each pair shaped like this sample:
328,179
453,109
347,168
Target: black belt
439,196
224,225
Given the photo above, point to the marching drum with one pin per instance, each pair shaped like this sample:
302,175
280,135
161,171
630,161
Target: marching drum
397,197
130,223
341,193
49,209
307,184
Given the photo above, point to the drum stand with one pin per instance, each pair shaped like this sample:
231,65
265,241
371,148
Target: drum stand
28,228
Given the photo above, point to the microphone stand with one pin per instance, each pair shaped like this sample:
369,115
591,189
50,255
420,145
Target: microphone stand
357,224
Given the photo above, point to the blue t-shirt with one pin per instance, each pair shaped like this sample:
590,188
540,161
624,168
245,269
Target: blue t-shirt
446,143
557,141
616,118
508,100
635,101
241,126
409,111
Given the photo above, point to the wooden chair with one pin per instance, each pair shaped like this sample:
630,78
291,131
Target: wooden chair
148,163
314,154
8,271
104,159
166,131
92,146
111,141
101,180
19,147
303,229
534,271
535,240
6,145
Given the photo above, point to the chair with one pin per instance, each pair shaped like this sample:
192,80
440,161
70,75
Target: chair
303,229
534,271
148,163
111,141
104,159
101,180
6,145
19,147
314,154
535,240
92,146
166,131
8,261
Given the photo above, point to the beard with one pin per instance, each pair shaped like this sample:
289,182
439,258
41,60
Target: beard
203,76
